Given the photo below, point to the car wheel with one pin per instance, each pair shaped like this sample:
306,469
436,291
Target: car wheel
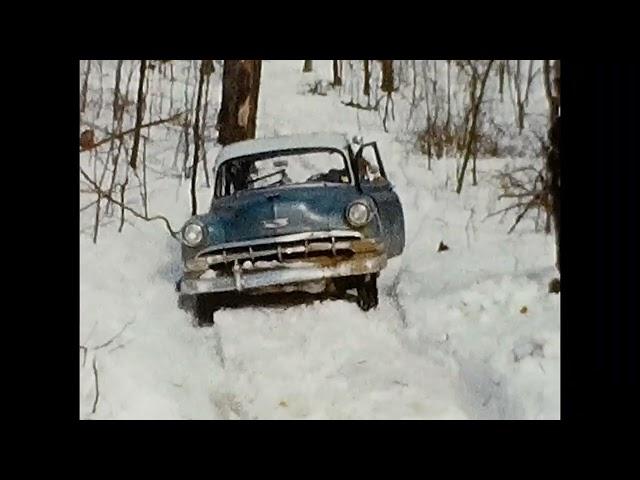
337,288
368,292
204,308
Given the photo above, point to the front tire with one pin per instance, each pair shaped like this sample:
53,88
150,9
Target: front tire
368,292
204,308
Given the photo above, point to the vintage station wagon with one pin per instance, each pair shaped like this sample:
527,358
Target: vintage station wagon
312,213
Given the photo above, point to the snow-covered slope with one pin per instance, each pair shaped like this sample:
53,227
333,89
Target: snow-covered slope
466,333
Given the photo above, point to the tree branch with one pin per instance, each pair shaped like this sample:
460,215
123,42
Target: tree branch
95,376
82,209
102,193
506,209
519,217
108,342
131,130
139,115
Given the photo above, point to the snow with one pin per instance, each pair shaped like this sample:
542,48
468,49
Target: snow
451,338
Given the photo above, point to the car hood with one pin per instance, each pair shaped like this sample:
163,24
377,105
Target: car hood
273,212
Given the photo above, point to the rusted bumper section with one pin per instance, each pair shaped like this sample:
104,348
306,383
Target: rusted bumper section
285,275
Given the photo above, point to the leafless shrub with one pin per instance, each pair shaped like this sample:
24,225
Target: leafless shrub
526,187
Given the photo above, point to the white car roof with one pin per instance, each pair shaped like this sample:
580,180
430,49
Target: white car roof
259,145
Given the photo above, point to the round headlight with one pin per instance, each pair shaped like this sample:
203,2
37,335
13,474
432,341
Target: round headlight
192,234
358,214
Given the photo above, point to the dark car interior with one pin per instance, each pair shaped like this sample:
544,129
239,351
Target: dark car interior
281,168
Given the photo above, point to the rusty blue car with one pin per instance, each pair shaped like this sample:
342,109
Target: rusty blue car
311,213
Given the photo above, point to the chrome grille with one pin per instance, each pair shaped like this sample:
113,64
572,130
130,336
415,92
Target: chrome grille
287,247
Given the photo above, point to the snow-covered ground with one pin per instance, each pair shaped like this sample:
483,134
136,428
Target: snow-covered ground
468,333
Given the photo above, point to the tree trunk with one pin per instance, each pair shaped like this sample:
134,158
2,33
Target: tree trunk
501,80
96,224
530,76
144,177
471,137
518,103
85,83
474,176
548,89
116,128
429,131
337,79
139,115
197,140
366,90
387,87
520,117
434,90
387,76
100,99
553,155
413,93
446,124
308,66
474,171
186,123
240,89
209,69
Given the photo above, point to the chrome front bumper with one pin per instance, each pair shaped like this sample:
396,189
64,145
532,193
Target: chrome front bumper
285,274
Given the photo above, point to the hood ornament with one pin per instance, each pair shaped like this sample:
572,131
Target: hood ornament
275,223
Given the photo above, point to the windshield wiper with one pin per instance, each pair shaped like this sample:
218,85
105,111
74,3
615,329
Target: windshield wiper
281,172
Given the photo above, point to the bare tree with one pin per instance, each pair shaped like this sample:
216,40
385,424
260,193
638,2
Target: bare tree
118,109
472,98
172,81
388,87
434,89
414,84
446,124
85,84
501,68
116,127
366,87
100,98
111,191
471,136
145,196
520,94
552,99
553,154
337,71
308,66
525,185
540,189
196,139
139,115
238,111
186,124
209,69
429,129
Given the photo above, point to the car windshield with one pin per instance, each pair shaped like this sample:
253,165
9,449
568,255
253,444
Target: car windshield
290,167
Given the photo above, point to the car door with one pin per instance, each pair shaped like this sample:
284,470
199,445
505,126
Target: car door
377,186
